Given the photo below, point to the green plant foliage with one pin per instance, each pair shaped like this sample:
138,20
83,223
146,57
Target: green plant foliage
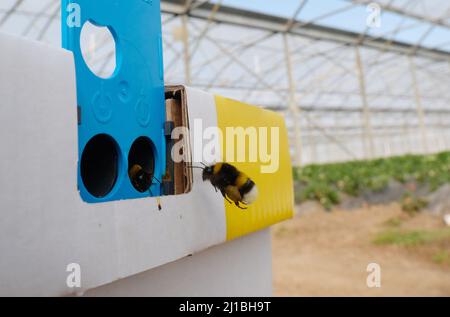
322,193
325,183
411,238
413,204
442,257
393,222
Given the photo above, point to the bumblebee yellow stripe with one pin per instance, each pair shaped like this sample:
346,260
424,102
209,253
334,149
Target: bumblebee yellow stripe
217,168
241,180
275,202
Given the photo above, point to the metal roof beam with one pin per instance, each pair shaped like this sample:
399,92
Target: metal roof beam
377,128
275,24
321,109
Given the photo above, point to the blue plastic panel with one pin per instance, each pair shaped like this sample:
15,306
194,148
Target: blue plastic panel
130,104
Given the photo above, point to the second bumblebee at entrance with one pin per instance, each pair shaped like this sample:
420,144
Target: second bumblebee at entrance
235,186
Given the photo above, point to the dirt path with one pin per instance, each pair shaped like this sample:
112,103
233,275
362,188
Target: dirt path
326,254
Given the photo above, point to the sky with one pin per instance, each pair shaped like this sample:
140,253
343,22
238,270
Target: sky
351,20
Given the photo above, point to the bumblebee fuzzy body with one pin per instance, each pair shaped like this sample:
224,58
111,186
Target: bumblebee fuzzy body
140,178
234,185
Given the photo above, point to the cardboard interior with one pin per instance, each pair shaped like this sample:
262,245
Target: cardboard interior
178,179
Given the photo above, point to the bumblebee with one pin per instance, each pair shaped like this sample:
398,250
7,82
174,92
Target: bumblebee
235,186
139,178
142,180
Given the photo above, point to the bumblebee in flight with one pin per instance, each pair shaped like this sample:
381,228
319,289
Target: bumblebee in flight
235,186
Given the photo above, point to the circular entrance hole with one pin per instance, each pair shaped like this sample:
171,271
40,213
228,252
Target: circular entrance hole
141,164
99,50
100,165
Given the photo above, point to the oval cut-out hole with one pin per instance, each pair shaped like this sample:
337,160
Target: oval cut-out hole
98,48
99,165
141,164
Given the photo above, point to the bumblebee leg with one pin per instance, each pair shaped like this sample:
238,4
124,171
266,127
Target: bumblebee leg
225,196
240,207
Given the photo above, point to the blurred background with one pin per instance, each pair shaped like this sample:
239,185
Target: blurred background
365,89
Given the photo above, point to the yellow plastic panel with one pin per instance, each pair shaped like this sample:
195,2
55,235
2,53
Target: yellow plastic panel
275,202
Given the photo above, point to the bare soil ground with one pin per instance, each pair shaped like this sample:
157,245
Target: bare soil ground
326,254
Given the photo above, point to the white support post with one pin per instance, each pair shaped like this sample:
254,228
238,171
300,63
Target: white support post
369,146
419,106
294,110
186,52
407,138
